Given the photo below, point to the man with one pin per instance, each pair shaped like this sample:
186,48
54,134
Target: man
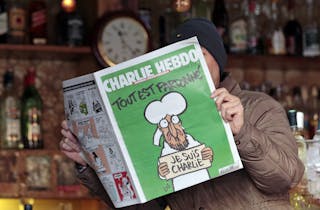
261,131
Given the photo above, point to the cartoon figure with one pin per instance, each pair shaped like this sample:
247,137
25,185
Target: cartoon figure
126,189
165,114
98,162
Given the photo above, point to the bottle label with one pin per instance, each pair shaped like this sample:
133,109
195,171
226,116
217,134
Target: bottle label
33,125
291,45
12,120
38,18
17,23
278,45
3,23
238,36
75,29
310,42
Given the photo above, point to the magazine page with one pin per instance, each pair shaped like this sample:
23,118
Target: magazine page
168,128
88,120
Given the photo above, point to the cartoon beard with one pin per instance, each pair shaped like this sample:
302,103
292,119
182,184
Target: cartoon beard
179,142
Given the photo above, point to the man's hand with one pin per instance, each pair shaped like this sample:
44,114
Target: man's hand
230,107
69,145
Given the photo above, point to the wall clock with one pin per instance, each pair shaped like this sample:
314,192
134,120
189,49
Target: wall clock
120,36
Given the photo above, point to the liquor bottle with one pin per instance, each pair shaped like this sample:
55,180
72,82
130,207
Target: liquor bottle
31,111
10,114
17,22
293,32
70,24
3,22
314,111
300,141
253,31
316,136
220,18
238,27
38,22
275,36
311,45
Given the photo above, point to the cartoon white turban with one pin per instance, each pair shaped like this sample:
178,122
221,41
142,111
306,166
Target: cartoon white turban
171,104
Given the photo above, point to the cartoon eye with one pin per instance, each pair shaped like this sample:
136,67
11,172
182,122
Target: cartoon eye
175,119
163,123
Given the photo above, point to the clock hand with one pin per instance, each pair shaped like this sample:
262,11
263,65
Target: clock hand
123,42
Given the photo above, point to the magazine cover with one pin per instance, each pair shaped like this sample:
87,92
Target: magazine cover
157,117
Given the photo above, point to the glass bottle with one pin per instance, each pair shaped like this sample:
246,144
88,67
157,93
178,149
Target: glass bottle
3,21
31,111
220,18
38,22
297,195
311,46
17,22
253,31
275,36
238,27
314,109
70,24
293,32
300,141
10,114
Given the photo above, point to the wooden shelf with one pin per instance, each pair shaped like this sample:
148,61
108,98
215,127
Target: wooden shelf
275,62
44,51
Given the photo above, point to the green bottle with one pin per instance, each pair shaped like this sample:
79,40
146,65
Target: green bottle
31,111
10,113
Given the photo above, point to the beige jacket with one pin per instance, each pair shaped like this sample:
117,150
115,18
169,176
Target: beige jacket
269,154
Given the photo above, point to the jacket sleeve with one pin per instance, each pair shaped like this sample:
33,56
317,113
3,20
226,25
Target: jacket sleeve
268,149
89,179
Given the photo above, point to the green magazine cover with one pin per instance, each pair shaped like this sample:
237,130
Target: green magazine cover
169,130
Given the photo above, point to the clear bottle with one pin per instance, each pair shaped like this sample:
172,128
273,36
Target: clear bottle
292,117
275,36
38,22
297,194
17,22
10,114
70,24
253,30
293,32
314,109
31,111
238,27
220,18
3,21
311,45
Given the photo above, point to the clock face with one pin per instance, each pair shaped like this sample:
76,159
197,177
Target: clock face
121,38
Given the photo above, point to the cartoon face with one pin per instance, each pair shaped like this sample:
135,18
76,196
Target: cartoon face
173,132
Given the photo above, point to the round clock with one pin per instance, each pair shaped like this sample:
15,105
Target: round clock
120,36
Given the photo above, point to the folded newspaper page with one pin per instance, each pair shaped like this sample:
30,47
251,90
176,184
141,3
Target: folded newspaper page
148,126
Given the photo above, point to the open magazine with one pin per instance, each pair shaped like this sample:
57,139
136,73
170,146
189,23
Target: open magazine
148,126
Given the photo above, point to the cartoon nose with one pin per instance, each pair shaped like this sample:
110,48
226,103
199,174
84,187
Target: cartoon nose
172,130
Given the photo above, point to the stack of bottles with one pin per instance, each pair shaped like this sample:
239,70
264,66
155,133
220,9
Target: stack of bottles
20,115
268,27
26,22
304,99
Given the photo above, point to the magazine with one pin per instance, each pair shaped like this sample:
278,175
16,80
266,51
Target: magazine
148,126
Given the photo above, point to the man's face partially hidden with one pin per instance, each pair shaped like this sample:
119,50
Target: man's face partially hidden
173,132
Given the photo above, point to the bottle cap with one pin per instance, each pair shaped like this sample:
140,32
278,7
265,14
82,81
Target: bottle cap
27,207
8,76
30,77
292,117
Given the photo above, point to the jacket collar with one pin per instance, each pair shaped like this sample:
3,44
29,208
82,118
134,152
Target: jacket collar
231,85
